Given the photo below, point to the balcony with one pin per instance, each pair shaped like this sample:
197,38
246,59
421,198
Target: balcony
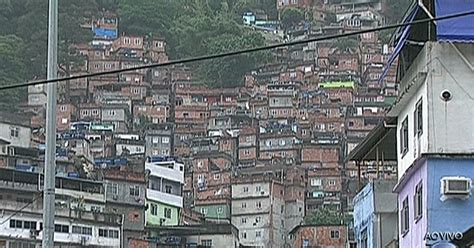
36,208
168,199
97,197
159,170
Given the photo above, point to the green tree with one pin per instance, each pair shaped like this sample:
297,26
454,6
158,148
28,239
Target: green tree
291,17
12,70
324,216
229,72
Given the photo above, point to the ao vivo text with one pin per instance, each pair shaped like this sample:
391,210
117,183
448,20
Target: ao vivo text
443,236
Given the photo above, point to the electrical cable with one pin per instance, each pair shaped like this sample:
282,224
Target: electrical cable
21,209
233,53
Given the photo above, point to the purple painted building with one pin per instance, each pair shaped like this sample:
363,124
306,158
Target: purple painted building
429,131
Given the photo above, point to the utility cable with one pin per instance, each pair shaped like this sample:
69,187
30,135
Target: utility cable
233,53
22,208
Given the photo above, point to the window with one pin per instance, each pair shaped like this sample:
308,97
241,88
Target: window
154,209
204,211
82,230
165,140
258,219
127,40
137,42
404,137
63,108
113,188
418,201
168,189
258,234
364,239
23,224
19,244
316,182
155,140
335,234
63,120
61,228
418,118
332,182
14,132
258,204
246,189
167,213
246,152
206,243
134,190
244,205
112,234
217,176
220,210
405,217
244,235
305,243
29,225
95,112
243,220
258,189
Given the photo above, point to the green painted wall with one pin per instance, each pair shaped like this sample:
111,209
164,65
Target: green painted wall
347,84
220,211
154,220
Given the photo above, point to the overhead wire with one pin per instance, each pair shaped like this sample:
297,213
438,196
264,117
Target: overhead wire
233,53
16,212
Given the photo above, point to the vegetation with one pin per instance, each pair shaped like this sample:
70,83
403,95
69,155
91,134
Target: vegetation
291,17
12,69
198,28
191,28
324,216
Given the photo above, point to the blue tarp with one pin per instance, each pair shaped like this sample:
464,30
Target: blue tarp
105,33
400,43
456,29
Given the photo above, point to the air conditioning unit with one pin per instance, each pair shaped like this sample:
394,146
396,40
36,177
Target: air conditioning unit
455,187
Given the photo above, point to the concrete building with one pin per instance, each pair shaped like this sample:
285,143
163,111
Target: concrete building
158,140
164,192
78,223
375,215
258,209
204,235
126,196
306,236
17,134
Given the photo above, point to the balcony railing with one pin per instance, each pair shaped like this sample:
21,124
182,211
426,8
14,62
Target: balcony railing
168,199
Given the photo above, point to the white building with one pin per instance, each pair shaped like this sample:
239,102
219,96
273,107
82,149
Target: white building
77,223
164,192
16,134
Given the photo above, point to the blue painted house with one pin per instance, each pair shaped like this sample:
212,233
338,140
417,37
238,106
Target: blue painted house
375,215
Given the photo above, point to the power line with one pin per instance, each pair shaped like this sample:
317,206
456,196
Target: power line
233,53
21,209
